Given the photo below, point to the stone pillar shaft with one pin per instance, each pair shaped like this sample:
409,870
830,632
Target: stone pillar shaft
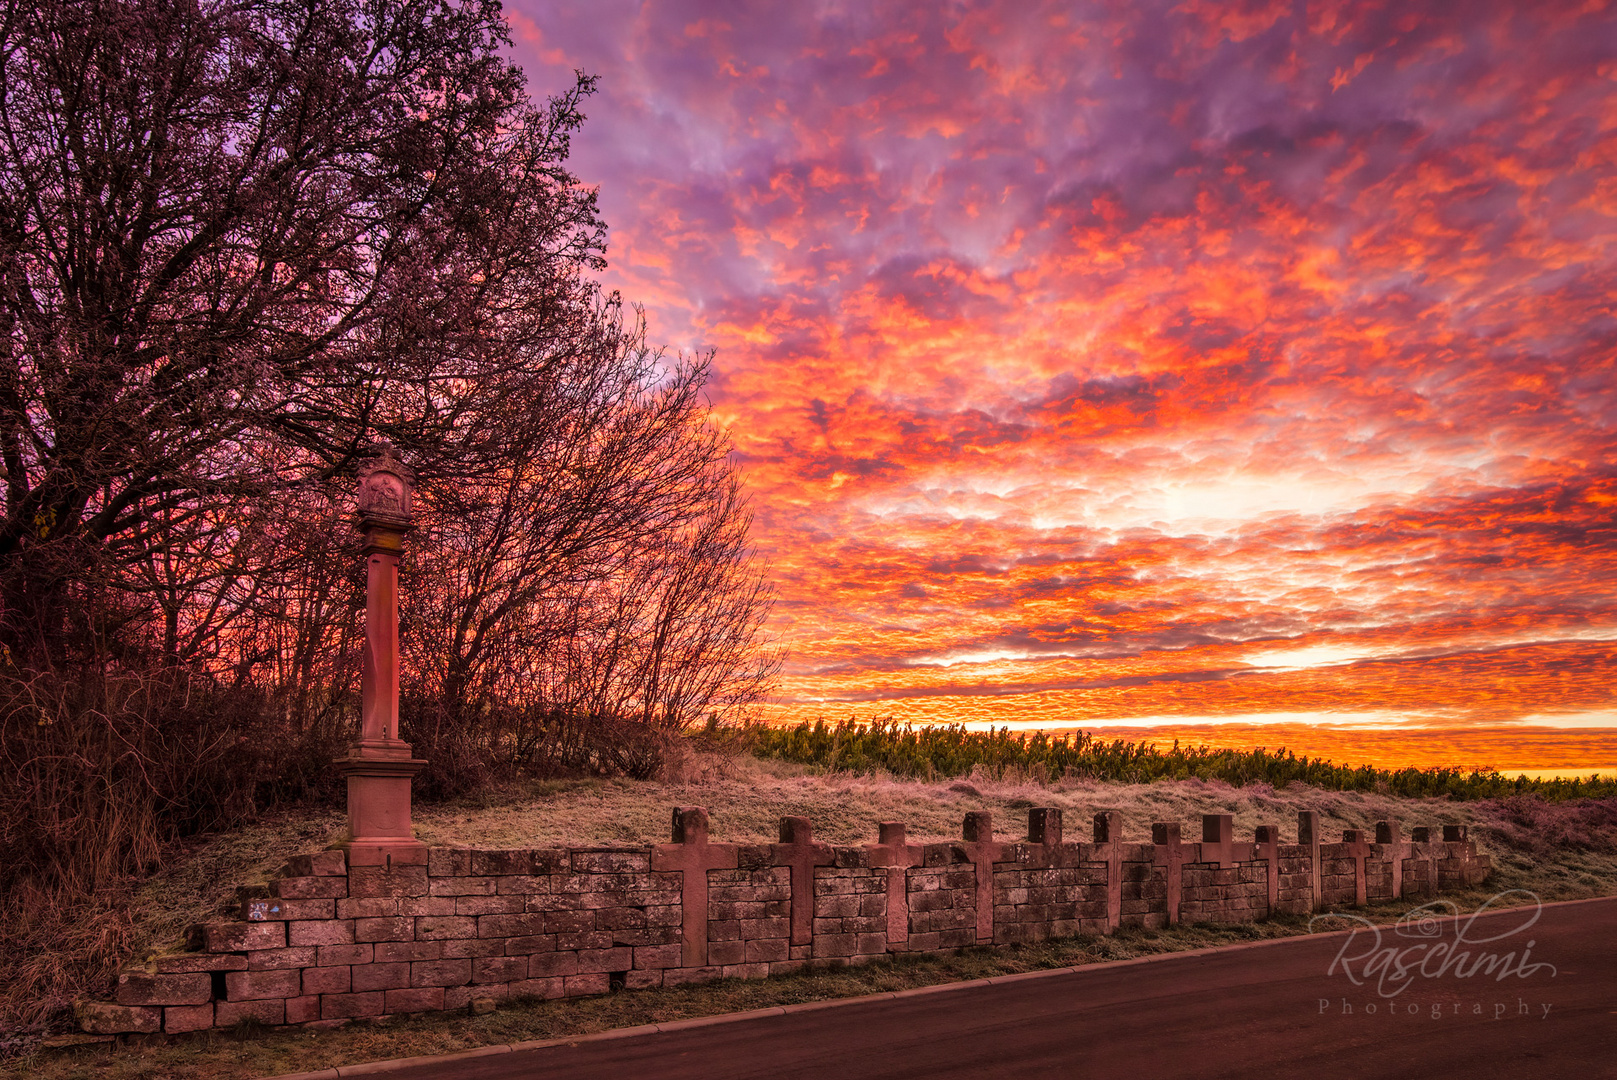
380,683
379,767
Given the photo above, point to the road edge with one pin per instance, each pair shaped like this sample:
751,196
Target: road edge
382,1068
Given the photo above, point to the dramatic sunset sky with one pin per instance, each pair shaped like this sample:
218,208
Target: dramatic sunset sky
1134,364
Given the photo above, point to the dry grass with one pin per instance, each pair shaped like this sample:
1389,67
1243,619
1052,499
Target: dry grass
747,797
1561,852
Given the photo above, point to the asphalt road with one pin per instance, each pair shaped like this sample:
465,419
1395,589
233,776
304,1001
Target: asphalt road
1271,1011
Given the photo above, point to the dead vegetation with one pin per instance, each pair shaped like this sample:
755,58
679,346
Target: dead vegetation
747,797
1560,851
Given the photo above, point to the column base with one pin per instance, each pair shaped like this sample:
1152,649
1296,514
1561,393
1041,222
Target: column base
379,830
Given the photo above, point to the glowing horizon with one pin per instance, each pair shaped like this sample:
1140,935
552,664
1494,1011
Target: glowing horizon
1095,364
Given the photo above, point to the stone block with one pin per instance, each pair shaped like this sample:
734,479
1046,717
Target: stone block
535,988
595,939
449,862
326,980
462,886
273,959
611,862
497,926
257,985
724,953
461,997
456,948
309,888
178,963
499,969
567,922
555,964
745,971
827,945
241,936
333,955
620,918
182,1018
385,881
490,905
384,907
441,928
139,988
401,928
664,915
833,907
440,973
585,985
270,1011
267,910
106,1018
498,863
657,956
765,950
365,977
419,999
350,1006
320,864
324,932
389,952
301,1010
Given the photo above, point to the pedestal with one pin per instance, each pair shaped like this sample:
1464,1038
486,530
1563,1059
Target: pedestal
379,831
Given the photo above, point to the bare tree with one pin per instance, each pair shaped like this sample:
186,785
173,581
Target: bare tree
605,575
240,242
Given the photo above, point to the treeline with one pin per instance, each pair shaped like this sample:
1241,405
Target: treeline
950,750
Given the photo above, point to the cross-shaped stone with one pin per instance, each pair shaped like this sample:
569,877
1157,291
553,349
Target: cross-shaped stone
1358,849
691,854
1044,825
1422,835
798,850
982,851
1218,840
1171,855
1267,848
1109,841
1308,836
1389,834
891,852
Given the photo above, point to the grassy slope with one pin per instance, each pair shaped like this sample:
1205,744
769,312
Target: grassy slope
1559,851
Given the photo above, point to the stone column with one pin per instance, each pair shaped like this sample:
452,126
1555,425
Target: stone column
379,766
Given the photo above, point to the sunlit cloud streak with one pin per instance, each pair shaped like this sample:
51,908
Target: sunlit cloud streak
1095,361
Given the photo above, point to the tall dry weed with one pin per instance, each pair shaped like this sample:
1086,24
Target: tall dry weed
98,771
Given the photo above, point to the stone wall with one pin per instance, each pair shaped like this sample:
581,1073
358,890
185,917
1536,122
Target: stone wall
325,942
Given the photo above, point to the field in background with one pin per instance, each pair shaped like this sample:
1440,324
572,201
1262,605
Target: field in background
1538,749
952,750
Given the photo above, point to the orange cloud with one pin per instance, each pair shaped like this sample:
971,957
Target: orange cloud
1086,359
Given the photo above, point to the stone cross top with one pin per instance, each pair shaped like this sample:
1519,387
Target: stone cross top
1171,854
892,853
798,850
982,851
379,766
692,855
